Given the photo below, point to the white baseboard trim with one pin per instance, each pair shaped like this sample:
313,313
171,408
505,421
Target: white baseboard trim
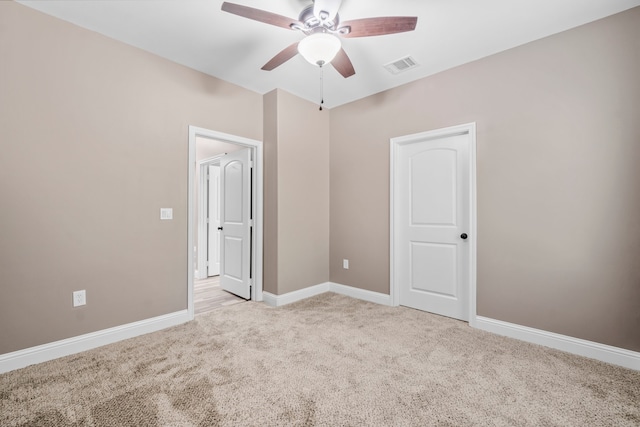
288,298
270,299
605,353
42,353
350,291
291,297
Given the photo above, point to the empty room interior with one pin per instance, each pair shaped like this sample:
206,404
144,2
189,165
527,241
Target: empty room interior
503,162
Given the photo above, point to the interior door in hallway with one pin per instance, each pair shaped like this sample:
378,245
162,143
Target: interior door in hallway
213,221
432,224
235,223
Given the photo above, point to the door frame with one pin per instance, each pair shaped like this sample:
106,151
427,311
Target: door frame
395,143
203,199
257,207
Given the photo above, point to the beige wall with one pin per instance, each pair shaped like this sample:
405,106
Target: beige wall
297,134
93,142
270,179
557,175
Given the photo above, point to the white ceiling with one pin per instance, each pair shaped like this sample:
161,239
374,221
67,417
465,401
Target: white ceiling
196,33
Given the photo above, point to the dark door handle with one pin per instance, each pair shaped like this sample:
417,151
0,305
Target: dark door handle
220,228
464,236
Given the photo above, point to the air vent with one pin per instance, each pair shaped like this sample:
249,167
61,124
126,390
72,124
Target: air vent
401,65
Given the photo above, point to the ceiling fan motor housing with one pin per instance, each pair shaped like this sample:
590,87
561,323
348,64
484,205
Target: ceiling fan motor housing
323,24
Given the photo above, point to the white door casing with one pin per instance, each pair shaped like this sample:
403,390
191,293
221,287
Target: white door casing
257,205
433,221
213,216
235,223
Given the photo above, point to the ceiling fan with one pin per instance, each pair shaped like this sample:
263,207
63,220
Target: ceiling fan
321,24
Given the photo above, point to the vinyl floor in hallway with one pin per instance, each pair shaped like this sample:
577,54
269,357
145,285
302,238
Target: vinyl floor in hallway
208,295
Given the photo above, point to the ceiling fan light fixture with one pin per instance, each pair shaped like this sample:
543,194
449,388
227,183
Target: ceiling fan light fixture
319,48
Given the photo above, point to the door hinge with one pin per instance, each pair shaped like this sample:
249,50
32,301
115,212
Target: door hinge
207,220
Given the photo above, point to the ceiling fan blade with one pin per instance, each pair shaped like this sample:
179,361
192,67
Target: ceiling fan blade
259,15
285,54
343,64
367,27
329,7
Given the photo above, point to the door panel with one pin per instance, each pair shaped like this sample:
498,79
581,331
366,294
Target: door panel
434,268
235,192
233,202
433,187
431,213
233,253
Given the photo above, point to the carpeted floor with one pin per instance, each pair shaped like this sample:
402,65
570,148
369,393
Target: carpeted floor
330,361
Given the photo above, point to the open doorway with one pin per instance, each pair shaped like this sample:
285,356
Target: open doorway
208,294
206,249
208,150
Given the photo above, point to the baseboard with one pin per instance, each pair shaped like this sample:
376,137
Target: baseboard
605,353
362,294
288,298
42,353
291,297
270,299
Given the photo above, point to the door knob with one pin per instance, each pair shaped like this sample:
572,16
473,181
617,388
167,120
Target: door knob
220,228
464,236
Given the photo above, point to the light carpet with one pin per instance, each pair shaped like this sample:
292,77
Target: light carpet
328,361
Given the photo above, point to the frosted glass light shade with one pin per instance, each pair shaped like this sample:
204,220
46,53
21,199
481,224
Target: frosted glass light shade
319,48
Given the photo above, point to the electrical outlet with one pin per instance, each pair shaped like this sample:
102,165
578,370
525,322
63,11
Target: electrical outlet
345,264
79,298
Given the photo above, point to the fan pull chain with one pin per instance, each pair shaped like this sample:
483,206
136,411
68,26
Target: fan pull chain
321,87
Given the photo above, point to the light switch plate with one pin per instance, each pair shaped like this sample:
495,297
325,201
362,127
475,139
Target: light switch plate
166,213
345,264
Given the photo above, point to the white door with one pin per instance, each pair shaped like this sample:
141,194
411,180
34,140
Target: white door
432,223
213,216
235,223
